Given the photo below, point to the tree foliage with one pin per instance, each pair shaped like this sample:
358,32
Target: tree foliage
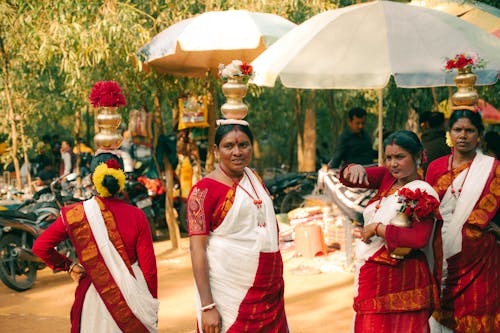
57,51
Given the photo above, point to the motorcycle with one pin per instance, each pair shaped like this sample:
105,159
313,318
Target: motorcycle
19,227
288,191
156,191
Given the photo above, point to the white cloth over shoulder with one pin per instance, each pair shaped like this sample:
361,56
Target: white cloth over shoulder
456,211
95,315
234,249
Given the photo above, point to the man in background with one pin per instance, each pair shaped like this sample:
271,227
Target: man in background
433,136
353,145
66,166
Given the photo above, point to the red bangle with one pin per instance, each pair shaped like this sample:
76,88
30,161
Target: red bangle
376,228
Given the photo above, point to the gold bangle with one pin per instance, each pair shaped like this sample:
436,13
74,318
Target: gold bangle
73,266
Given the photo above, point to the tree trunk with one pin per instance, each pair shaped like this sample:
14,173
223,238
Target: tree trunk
172,225
434,98
26,159
5,67
309,136
78,190
212,114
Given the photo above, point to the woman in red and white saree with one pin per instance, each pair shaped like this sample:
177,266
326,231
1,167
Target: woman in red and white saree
469,184
235,256
395,294
116,268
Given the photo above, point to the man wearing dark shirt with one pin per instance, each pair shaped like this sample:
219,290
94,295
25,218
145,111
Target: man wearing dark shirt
433,136
353,145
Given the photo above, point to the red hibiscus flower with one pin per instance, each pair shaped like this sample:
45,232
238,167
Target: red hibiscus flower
107,94
113,164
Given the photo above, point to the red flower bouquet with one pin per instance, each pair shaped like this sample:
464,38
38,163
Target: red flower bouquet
107,94
464,60
418,204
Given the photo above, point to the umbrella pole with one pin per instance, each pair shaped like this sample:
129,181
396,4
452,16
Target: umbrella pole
380,125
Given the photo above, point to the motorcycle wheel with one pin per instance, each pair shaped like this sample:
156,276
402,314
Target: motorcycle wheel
19,275
291,201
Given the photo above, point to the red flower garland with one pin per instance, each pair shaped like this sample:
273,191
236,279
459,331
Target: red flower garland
107,94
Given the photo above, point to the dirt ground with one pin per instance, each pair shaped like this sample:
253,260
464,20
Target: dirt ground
318,296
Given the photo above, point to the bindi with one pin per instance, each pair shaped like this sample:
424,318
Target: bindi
236,141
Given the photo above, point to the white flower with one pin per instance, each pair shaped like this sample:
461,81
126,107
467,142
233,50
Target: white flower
232,70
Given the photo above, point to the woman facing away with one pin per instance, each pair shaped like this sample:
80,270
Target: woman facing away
237,265
396,294
116,268
468,183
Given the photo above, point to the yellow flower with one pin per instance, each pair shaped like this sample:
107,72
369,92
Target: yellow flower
448,139
100,172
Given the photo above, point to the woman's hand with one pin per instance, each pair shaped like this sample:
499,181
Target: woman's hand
356,174
211,321
76,272
369,231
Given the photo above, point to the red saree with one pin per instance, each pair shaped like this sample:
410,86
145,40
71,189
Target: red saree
245,264
85,245
470,300
136,237
394,295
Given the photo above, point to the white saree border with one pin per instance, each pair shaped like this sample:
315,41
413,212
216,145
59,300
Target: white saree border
456,211
234,249
95,316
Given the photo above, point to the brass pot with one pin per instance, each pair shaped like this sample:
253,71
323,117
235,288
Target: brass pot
400,220
108,120
234,90
466,94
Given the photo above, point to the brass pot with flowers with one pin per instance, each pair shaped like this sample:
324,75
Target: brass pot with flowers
415,205
107,97
235,76
465,63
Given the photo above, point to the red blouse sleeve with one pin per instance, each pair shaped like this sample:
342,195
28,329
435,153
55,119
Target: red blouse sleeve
415,237
44,246
146,255
205,201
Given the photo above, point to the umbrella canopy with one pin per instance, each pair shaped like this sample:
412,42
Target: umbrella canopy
484,16
195,45
361,46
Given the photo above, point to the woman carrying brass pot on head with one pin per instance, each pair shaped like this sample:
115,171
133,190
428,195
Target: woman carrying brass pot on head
468,183
395,290
235,254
